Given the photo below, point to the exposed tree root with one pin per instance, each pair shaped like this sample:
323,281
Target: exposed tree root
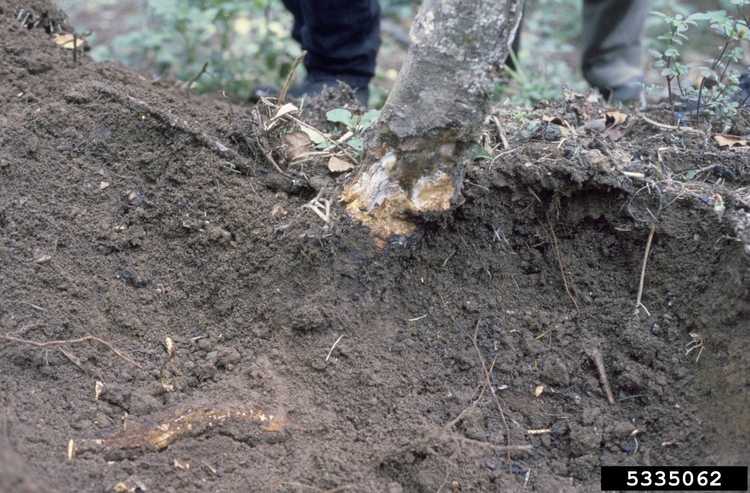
160,435
169,120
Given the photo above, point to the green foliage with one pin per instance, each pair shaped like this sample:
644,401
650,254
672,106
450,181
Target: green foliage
529,87
548,43
356,124
668,59
716,95
245,42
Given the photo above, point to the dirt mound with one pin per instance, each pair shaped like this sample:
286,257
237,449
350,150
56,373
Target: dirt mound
197,328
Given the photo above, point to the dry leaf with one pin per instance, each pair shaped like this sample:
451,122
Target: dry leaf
121,487
725,140
278,211
297,144
66,40
615,118
336,165
42,258
538,390
285,110
556,120
317,137
597,159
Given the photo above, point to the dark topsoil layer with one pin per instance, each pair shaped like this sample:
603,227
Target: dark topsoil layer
121,218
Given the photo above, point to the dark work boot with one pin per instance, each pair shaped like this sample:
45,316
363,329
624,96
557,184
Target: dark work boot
628,92
341,38
314,85
612,31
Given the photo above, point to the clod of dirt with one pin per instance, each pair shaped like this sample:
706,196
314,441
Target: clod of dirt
305,318
228,357
117,395
142,403
584,439
219,235
555,372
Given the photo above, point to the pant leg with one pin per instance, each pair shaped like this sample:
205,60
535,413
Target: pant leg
612,31
342,38
295,8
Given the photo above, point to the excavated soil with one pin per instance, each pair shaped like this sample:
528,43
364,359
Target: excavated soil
172,318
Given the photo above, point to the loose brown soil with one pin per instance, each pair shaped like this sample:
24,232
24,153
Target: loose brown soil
124,217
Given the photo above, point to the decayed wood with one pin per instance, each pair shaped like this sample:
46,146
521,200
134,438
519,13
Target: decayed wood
422,139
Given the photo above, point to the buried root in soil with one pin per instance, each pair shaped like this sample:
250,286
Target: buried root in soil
186,306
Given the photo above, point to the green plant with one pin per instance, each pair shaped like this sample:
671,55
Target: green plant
355,124
717,77
716,93
244,42
548,45
668,59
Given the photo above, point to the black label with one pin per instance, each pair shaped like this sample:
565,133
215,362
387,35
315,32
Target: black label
642,478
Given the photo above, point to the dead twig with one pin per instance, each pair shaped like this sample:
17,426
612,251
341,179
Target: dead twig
496,448
321,207
330,352
598,359
500,132
697,343
556,248
664,126
450,424
488,383
270,159
541,431
73,359
197,76
639,298
290,76
170,120
340,146
65,342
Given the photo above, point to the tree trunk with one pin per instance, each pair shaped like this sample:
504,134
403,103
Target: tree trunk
423,138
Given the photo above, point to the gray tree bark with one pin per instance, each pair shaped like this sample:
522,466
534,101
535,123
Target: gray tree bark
421,142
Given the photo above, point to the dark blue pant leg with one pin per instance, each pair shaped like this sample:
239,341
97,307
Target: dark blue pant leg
295,7
341,37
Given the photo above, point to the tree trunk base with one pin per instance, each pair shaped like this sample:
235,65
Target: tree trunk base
433,114
387,201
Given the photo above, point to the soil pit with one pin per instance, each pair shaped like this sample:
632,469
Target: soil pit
197,328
